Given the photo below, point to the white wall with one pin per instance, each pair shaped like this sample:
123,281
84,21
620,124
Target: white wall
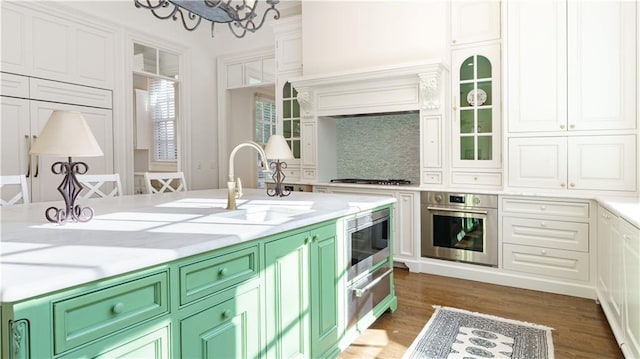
348,35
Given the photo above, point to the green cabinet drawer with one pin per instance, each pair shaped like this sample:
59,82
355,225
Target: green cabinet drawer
208,277
94,315
138,345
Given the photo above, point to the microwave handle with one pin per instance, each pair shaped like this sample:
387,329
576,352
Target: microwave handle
457,210
361,291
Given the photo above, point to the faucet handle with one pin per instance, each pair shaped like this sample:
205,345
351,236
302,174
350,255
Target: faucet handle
238,187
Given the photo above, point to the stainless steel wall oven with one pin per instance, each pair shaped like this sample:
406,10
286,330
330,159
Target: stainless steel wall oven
369,273
460,227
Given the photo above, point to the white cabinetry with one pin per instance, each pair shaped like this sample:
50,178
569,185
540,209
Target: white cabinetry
476,119
631,269
288,34
618,284
537,241
605,163
577,72
23,119
300,133
43,44
406,220
571,95
473,21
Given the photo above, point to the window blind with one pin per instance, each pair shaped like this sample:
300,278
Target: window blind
162,100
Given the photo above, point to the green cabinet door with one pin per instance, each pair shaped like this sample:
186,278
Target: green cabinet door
324,281
230,329
286,291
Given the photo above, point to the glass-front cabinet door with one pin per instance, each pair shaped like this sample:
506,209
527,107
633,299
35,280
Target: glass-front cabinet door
476,107
291,118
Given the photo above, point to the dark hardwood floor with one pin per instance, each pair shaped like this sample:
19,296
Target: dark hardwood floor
580,327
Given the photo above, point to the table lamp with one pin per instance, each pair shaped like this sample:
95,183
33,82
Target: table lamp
278,149
67,134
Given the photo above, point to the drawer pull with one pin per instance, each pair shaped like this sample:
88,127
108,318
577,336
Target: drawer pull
118,308
223,272
226,314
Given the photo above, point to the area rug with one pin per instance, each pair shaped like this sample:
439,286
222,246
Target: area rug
459,334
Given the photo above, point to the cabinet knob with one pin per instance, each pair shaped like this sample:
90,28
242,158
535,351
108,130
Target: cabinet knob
562,127
314,239
563,185
453,41
543,224
226,314
543,252
118,308
307,240
572,126
223,272
572,184
543,207
475,178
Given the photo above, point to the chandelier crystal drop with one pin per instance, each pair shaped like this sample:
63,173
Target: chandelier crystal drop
240,15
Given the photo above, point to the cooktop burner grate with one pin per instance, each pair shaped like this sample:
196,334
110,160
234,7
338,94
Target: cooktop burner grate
387,182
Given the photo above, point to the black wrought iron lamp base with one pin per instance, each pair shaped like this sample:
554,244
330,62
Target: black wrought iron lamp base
278,176
70,188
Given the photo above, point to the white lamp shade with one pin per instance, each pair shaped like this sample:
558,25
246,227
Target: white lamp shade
277,148
66,134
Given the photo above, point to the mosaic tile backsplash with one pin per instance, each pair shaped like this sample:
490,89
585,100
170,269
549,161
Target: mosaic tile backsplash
379,147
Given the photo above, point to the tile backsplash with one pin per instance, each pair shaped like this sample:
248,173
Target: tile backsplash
380,147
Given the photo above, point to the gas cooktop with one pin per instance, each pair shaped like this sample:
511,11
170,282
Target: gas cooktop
387,182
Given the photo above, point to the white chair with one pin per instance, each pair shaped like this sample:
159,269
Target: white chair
21,194
160,182
93,185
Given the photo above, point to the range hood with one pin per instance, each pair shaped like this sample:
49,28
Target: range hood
391,89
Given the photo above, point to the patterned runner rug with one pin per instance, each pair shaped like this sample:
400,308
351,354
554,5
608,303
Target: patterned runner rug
459,334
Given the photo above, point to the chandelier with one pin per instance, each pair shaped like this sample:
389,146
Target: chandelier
239,15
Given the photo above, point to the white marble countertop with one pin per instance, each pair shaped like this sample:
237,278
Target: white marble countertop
627,208
134,232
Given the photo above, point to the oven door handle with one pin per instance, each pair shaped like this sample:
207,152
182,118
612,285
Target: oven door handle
359,292
459,210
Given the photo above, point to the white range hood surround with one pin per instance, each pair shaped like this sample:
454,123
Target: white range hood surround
408,87
414,87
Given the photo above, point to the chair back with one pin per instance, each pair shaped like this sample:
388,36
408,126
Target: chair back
160,182
17,190
100,186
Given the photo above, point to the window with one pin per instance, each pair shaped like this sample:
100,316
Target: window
265,126
265,119
162,100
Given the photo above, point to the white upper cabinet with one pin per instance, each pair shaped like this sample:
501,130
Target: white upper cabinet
576,70
536,67
288,37
602,65
40,44
474,21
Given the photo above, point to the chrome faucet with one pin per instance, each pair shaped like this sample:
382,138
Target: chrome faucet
234,186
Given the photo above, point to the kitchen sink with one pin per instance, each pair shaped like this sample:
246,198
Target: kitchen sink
262,214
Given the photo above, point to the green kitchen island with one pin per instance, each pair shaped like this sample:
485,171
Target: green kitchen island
178,276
